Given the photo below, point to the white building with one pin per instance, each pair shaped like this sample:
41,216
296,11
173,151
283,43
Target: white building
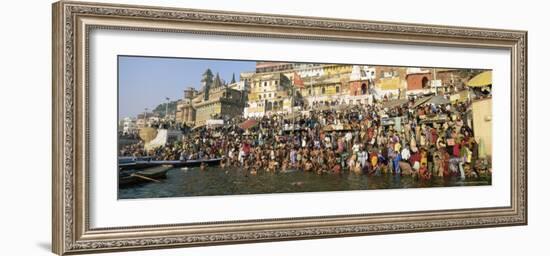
239,86
310,71
129,126
362,73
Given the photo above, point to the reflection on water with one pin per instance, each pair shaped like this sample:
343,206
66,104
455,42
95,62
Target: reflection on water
216,181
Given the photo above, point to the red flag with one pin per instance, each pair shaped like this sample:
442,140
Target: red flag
298,82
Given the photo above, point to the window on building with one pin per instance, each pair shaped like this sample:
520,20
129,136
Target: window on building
265,83
425,83
364,88
276,82
337,89
323,90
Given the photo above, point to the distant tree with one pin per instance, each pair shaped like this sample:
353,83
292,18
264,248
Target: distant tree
233,79
161,108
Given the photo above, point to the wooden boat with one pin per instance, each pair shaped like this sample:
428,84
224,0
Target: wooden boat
197,163
133,163
143,164
154,174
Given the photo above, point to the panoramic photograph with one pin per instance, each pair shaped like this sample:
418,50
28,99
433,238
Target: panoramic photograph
212,127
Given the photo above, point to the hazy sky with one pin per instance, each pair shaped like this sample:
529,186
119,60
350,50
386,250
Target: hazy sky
145,82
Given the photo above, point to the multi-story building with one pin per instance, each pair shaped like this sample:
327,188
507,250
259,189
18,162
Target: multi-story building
453,80
129,126
309,70
361,80
419,81
268,66
269,93
341,84
390,82
222,102
432,80
322,88
246,77
185,112
216,100
242,86
285,87
336,69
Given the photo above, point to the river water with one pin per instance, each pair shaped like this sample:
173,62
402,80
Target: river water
217,181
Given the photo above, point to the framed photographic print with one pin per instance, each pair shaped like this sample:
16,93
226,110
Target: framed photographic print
180,127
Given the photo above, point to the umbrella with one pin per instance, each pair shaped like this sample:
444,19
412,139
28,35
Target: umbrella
394,103
248,124
438,100
421,101
147,134
481,80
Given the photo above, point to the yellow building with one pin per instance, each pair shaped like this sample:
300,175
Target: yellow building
336,69
268,94
390,82
185,112
222,102
322,86
216,100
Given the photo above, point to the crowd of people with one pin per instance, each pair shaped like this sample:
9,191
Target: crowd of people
353,138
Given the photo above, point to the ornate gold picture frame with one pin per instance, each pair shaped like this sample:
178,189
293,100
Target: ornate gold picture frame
72,24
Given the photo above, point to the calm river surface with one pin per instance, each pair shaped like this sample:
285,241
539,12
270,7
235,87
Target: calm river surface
216,181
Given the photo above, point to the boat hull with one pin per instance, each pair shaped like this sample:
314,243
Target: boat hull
142,176
139,165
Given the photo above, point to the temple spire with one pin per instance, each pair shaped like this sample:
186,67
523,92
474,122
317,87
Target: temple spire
207,82
217,81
